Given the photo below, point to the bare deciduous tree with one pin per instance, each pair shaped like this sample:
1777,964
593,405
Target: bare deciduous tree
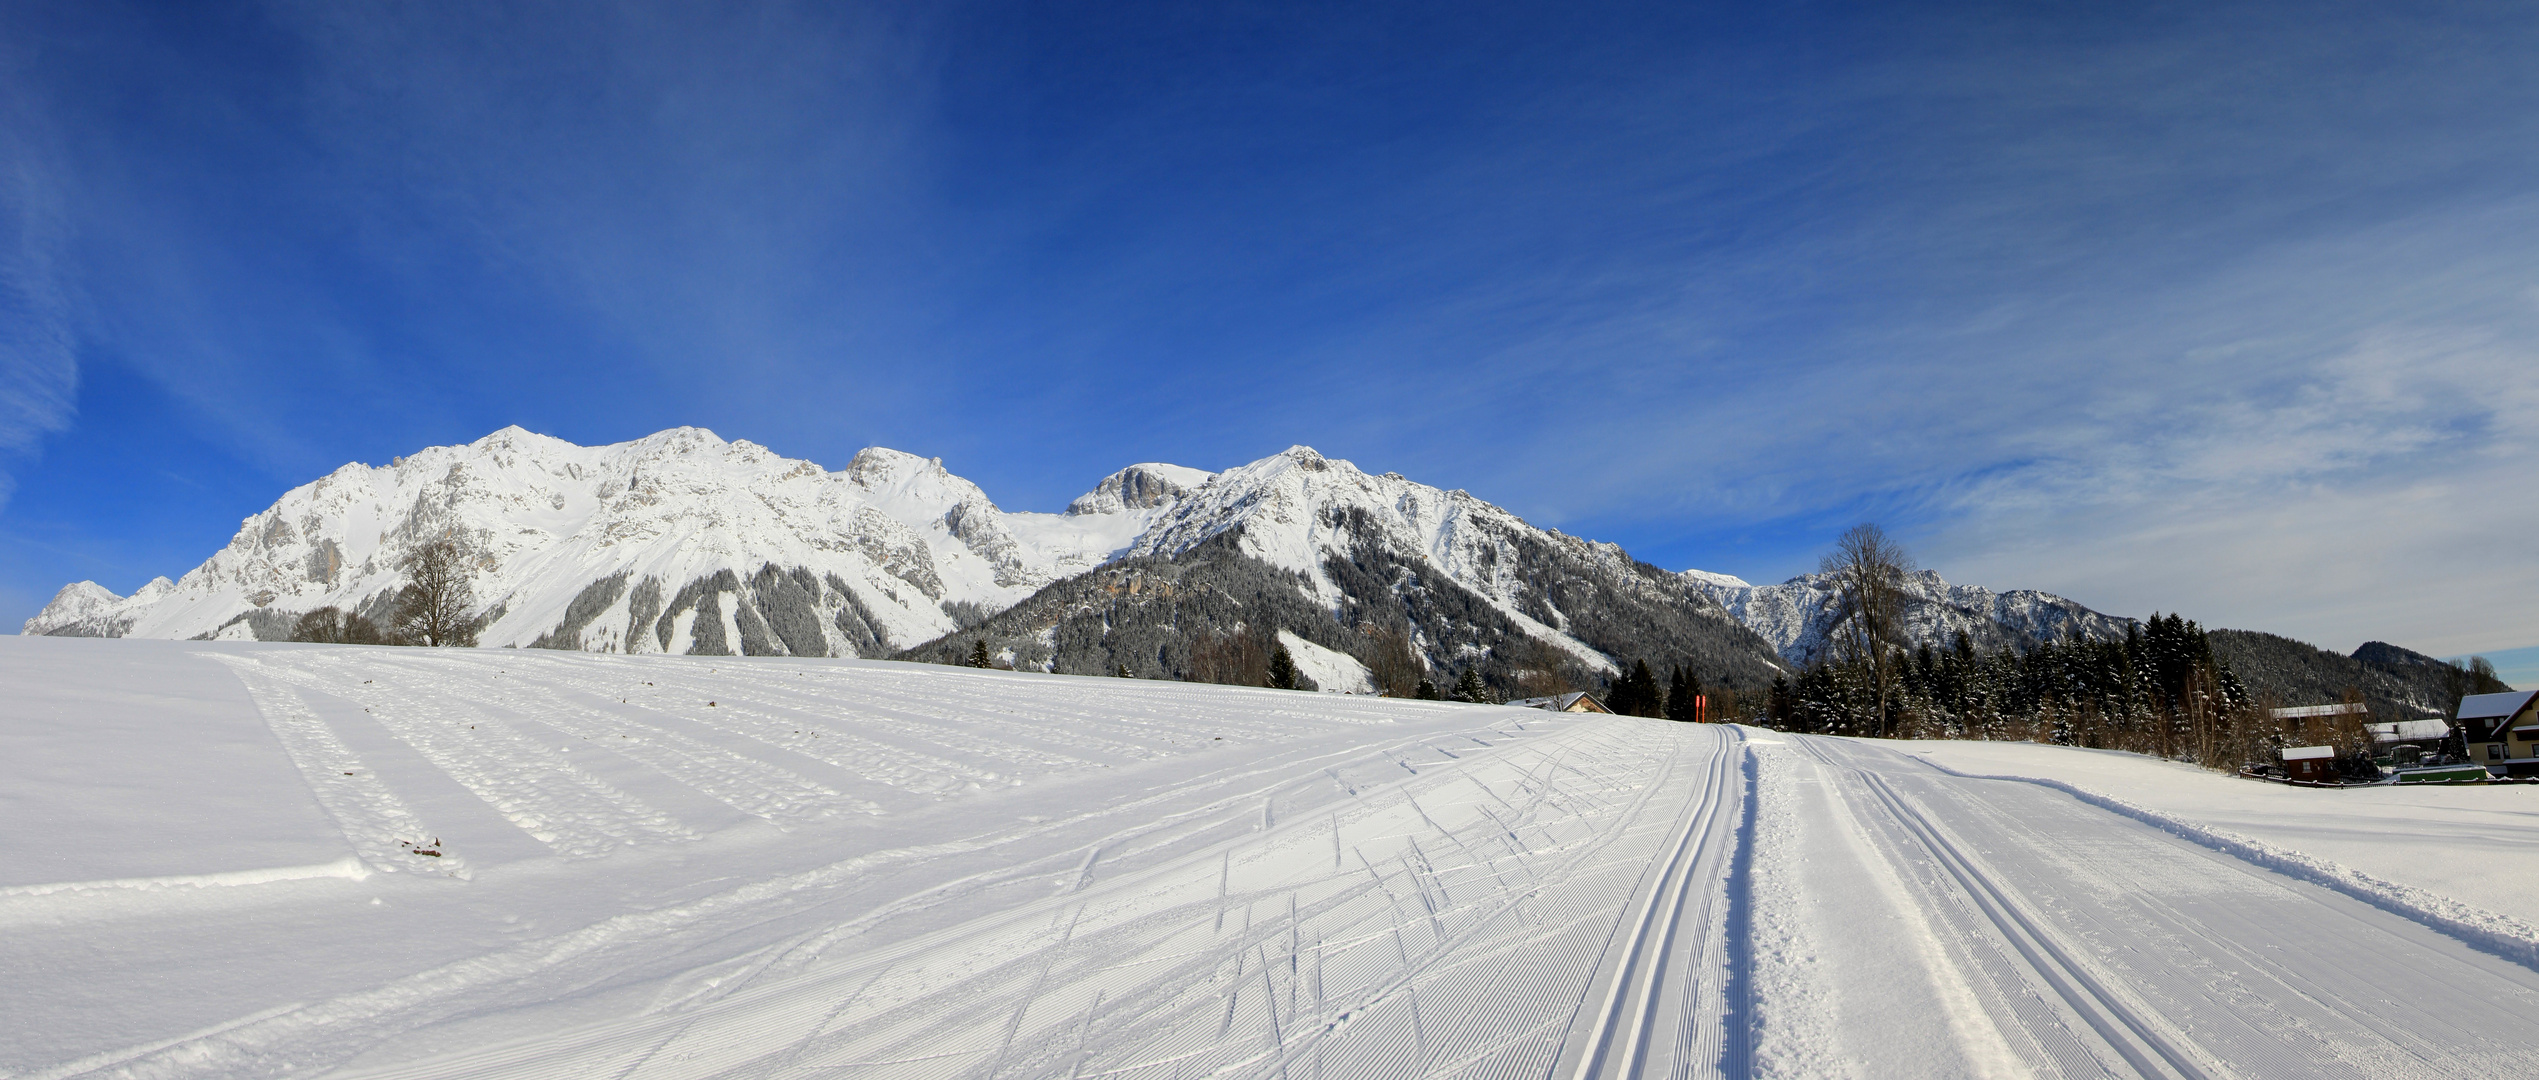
436,605
1868,569
335,626
1235,659
1389,659
1537,670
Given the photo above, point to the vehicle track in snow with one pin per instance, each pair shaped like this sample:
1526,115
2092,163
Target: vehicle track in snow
383,831
575,812
2102,946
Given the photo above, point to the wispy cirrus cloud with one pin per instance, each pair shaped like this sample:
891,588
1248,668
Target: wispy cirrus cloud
39,360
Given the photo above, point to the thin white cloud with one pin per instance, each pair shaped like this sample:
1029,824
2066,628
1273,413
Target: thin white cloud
39,363
2389,491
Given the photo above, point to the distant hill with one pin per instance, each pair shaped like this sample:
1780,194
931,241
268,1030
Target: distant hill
2397,683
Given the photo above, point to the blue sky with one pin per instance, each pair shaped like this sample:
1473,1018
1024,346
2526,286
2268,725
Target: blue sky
2218,308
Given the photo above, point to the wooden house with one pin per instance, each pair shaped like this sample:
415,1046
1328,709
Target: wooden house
2502,731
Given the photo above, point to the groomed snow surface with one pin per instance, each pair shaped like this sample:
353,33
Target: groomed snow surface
224,859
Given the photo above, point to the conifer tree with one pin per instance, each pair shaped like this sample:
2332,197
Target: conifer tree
1282,669
1636,692
978,653
1683,695
1427,691
1470,688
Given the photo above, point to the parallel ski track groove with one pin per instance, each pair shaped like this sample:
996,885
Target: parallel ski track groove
1631,1008
2115,1022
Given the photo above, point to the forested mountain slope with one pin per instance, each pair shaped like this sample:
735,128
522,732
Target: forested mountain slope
2398,684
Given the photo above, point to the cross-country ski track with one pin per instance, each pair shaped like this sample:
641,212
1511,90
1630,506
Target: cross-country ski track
240,860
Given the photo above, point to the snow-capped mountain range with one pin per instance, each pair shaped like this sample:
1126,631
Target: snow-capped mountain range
683,542
1335,561
610,548
1799,615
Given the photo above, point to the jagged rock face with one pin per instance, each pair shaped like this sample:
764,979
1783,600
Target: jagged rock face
1798,615
1314,546
676,542
1353,535
1139,487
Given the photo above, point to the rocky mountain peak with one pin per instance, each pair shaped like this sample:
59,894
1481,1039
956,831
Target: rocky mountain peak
1142,486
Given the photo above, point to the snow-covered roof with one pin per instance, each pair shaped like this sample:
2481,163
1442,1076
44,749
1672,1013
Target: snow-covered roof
2409,730
2493,706
1555,703
2344,708
2308,753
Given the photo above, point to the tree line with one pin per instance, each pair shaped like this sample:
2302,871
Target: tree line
2161,690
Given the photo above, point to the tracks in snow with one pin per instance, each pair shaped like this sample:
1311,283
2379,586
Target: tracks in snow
2096,945
1463,893
1693,879
2141,1045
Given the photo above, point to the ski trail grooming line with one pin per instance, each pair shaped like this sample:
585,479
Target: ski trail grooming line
779,796
2501,935
2133,1039
1481,927
1630,1012
319,1030
381,829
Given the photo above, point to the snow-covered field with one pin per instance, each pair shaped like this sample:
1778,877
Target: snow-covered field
231,859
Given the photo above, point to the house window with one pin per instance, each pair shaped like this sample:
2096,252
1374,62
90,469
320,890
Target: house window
2494,751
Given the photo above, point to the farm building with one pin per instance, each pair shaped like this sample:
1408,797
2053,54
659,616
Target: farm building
2503,731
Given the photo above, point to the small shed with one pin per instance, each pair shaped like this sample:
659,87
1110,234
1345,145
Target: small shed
1578,701
2314,764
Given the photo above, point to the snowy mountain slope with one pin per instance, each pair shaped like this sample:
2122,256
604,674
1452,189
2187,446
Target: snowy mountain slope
1313,546
1797,615
677,542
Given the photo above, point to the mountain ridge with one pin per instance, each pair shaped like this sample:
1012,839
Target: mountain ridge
681,541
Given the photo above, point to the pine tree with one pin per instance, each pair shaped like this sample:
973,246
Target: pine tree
1683,695
1636,693
1427,691
1282,669
1470,688
978,653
